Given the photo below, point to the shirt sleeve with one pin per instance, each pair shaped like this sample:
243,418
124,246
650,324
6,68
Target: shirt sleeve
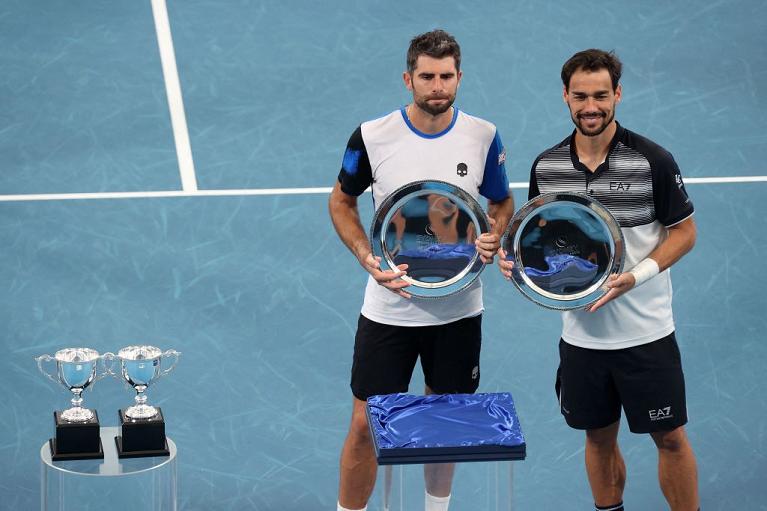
495,182
672,204
355,175
533,191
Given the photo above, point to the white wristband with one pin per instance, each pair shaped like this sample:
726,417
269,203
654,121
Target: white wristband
644,271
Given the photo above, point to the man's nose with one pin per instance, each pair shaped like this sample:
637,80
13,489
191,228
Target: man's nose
590,104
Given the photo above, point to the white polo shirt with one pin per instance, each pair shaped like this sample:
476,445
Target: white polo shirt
388,153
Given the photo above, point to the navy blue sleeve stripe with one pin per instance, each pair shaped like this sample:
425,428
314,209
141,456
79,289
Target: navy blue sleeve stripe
495,182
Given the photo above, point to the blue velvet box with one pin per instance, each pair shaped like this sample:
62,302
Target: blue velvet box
445,428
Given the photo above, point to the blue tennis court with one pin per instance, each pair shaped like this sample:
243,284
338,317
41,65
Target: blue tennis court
119,226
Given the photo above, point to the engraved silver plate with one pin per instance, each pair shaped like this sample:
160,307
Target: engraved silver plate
564,247
430,226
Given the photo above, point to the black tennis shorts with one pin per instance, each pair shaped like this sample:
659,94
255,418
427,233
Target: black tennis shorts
385,355
646,380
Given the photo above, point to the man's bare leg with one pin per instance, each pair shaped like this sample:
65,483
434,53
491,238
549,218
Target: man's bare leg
438,476
358,462
677,470
604,465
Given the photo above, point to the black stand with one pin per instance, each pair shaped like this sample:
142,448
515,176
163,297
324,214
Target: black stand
76,440
141,438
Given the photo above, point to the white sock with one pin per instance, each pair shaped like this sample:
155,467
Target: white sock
436,503
342,508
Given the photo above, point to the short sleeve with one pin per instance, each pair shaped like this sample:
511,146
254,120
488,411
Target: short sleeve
355,175
533,191
495,182
672,204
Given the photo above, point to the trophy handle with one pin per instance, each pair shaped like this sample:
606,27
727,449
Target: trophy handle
170,353
46,358
108,360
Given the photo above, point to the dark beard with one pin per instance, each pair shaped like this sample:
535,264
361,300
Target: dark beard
598,131
435,110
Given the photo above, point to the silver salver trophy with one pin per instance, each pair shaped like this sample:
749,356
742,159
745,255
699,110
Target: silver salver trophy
564,247
430,226
142,426
76,428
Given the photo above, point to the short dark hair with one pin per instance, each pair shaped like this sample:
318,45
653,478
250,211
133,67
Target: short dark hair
437,44
592,60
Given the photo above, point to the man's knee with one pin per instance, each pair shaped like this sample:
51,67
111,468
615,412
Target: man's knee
359,431
671,441
603,438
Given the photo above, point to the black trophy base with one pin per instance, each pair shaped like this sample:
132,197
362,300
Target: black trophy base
97,455
76,440
141,438
121,453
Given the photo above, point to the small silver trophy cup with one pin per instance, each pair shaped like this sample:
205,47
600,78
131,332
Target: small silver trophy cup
76,369
76,433
139,366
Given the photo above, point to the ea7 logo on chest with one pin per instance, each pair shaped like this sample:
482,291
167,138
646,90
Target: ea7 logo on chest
660,414
618,186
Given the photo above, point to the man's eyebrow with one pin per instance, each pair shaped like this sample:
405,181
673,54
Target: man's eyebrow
596,93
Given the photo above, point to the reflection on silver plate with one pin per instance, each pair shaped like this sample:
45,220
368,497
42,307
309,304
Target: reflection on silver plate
430,226
564,247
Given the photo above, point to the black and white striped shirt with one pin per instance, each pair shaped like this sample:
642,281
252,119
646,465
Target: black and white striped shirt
640,184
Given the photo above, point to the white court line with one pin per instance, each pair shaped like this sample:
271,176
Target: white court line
280,191
175,101
742,179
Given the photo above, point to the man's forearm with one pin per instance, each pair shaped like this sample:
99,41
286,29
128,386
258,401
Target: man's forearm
681,239
501,212
346,220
